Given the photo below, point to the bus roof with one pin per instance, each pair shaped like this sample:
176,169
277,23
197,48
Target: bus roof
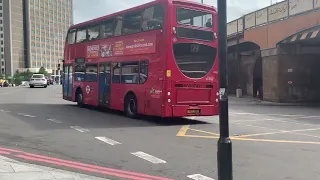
186,2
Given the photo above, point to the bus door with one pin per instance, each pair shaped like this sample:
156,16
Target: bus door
67,82
104,84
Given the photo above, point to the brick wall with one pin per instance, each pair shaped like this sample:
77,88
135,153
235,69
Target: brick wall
291,78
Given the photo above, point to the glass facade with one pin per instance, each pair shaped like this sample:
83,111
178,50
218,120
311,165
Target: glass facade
49,21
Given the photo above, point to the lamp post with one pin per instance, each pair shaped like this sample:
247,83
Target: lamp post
224,154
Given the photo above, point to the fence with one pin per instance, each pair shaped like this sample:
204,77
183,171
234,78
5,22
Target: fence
270,14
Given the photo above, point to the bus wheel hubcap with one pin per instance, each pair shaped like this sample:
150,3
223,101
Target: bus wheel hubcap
132,106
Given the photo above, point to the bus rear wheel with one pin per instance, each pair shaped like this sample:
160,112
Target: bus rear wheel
131,106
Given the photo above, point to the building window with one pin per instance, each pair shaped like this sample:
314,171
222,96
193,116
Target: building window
0,13
130,73
91,72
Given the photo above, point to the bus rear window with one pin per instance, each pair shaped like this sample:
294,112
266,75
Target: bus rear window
194,18
194,60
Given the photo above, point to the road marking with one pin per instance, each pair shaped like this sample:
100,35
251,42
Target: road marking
26,115
107,140
4,111
308,117
183,130
283,132
256,140
199,177
204,131
285,115
148,157
80,129
54,120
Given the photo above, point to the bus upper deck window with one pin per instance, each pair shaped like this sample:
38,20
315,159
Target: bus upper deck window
153,18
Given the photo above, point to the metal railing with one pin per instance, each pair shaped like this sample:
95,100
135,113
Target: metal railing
276,12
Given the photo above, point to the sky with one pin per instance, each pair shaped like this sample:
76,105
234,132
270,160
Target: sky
85,10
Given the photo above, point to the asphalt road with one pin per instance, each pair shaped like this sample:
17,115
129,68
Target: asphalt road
268,142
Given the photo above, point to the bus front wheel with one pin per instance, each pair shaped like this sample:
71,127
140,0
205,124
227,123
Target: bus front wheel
131,106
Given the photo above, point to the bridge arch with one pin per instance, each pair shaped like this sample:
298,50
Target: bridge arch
245,68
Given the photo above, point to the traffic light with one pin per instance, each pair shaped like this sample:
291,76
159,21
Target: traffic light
59,66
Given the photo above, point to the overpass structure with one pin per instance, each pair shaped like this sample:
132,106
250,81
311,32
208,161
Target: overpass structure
277,50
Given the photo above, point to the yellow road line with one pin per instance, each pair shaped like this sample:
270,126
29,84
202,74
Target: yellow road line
183,130
281,132
204,131
256,140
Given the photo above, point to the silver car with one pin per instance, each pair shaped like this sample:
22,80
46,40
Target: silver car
38,80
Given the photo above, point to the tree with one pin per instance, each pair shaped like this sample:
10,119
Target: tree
27,75
43,70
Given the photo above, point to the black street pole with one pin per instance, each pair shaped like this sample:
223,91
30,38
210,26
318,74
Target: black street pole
224,154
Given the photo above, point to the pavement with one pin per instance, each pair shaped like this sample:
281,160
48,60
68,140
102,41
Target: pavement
15,170
269,142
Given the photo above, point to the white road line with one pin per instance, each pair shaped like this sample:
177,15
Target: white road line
54,120
148,157
4,111
199,177
107,140
26,115
80,129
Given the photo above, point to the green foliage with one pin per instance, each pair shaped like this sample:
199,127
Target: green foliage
43,70
21,76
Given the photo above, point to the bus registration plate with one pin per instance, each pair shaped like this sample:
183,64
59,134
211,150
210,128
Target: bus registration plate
193,111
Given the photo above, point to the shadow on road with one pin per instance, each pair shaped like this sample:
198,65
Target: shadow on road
89,117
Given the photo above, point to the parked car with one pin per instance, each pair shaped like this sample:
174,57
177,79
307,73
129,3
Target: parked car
38,80
4,83
49,81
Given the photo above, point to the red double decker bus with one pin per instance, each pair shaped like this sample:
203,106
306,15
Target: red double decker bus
157,59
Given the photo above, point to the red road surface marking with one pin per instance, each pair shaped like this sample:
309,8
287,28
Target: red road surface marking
39,157
82,168
4,152
10,150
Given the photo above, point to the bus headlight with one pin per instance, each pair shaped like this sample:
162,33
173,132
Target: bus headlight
169,93
169,100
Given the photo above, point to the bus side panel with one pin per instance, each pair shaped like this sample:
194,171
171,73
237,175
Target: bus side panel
90,93
154,87
116,99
